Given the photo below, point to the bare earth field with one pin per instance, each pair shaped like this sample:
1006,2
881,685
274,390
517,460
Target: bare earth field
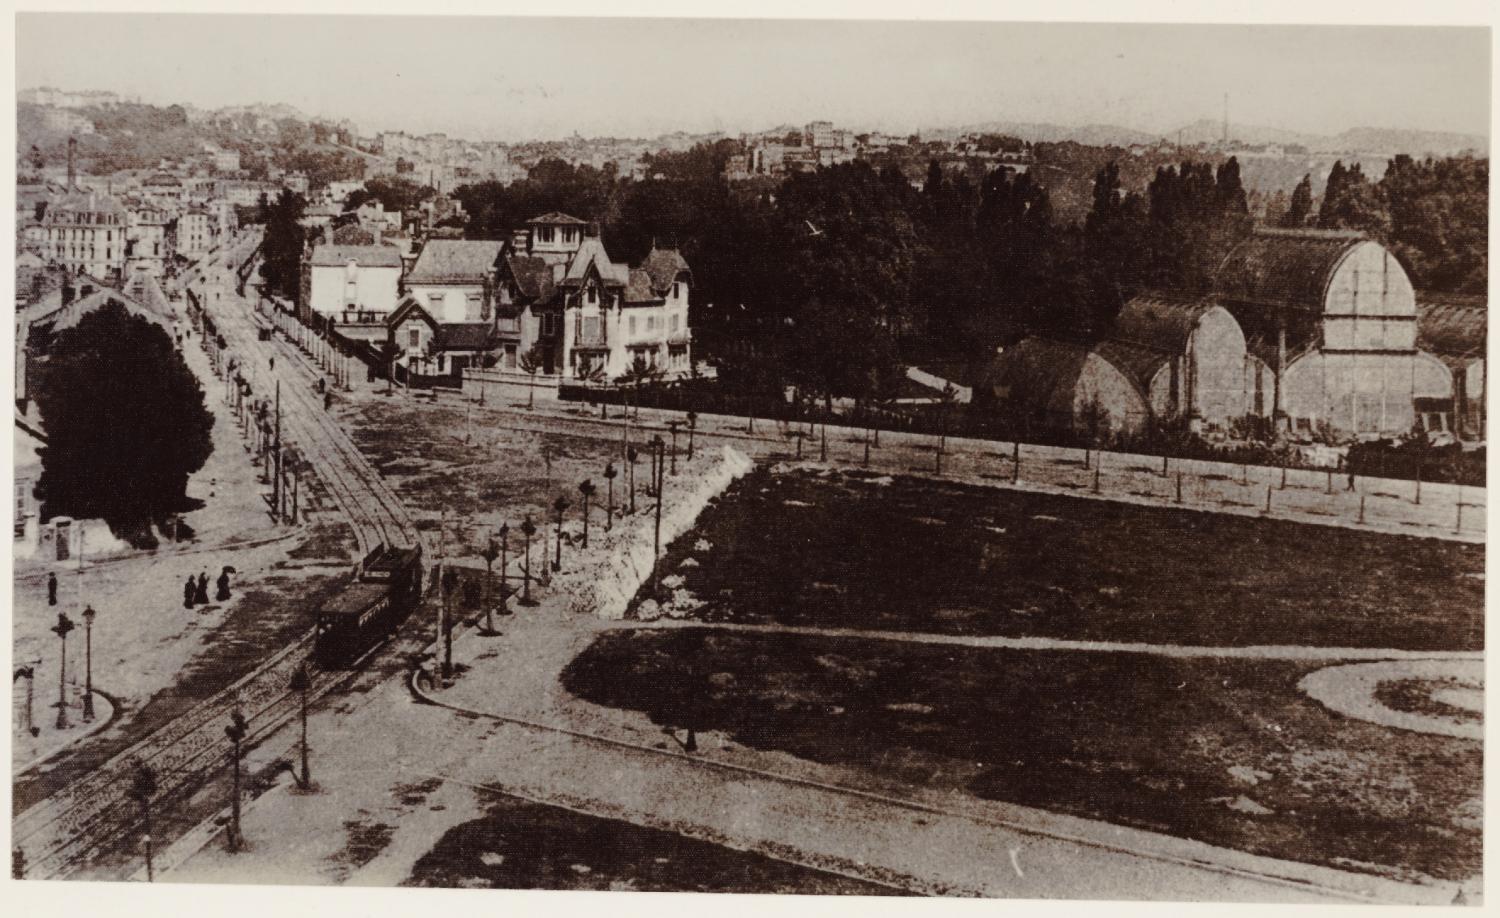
859,551
1224,751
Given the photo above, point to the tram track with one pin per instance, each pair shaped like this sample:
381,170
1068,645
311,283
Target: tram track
89,818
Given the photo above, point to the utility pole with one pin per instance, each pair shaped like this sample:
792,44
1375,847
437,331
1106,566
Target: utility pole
236,731
301,683
660,448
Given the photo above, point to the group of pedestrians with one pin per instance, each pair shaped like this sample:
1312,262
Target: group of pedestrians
195,590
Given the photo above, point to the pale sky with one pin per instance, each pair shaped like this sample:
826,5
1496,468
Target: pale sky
519,78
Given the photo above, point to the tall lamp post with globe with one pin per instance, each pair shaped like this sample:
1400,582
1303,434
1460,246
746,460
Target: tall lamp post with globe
61,629
88,663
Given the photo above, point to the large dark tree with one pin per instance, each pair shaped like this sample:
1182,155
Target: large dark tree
1300,207
125,420
281,248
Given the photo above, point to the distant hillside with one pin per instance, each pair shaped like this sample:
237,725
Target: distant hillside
1096,135
1418,144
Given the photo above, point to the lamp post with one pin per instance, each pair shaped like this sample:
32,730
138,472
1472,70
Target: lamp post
142,790
633,458
236,731
61,629
660,480
587,489
560,505
88,664
300,684
490,553
504,551
528,529
609,478
692,425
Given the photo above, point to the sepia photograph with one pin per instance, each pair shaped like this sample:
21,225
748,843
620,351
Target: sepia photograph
971,457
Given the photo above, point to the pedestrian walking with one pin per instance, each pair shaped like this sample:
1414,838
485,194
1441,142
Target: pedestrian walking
327,400
189,592
223,593
52,589
200,595
273,363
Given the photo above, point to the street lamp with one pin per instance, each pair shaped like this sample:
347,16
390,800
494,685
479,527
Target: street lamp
560,505
61,629
633,457
142,790
236,731
528,529
504,564
660,480
490,553
609,477
301,683
88,665
587,489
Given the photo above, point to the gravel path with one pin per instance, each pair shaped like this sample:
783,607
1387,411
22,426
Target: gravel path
1350,690
1263,652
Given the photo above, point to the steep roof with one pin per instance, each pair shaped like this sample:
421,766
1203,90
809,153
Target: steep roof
366,256
464,261
1453,328
639,289
592,252
89,202
1160,320
664,265
556,218
1290,268
533,276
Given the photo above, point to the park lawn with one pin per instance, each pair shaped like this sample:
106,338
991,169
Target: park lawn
1229,752
498,475
522,845
852,550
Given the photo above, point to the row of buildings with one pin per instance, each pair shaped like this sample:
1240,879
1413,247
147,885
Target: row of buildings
551,291
1319,331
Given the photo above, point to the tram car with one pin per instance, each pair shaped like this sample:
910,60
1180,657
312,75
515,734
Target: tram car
386,587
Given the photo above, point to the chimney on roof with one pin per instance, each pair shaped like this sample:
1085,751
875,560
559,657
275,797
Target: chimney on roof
591,230
72,173
87,290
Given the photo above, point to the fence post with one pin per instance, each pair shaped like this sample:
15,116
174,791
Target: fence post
1330,482
1458,523
1015,468
1164,466
1361,509
1179,487
1268,498
1096,478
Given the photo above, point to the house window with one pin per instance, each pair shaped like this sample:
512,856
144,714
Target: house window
591,328
22,486
414,340
550,324
632,326
474,303
544,234
593,296
676,322
677,290
510,356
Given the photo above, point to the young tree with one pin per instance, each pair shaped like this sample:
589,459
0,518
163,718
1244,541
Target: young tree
126,423
531,363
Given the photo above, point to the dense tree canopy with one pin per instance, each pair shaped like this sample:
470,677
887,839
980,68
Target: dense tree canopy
281,247
125,419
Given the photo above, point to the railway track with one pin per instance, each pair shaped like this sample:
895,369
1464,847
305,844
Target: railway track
90,818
